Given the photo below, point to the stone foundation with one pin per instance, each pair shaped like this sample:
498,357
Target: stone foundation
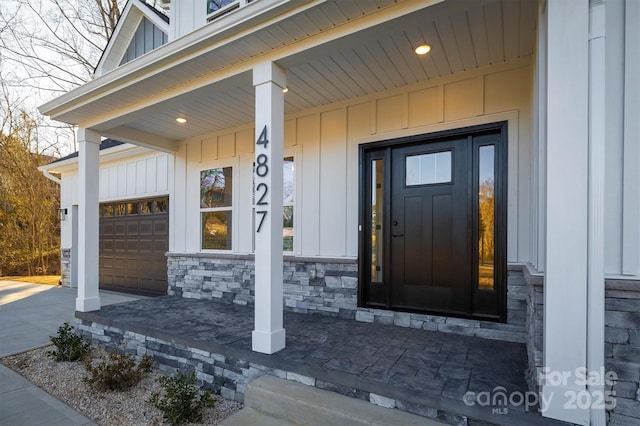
325,286
329,287
622,348
534,325
225,375
65,267
622,342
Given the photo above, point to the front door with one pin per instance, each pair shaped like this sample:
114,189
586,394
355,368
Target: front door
430,230
433,231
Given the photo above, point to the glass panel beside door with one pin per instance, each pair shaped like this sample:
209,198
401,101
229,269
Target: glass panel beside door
377,217
486,217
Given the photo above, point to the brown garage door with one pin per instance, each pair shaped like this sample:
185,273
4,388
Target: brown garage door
134,237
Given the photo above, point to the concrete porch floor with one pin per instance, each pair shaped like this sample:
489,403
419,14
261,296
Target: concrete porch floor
422,372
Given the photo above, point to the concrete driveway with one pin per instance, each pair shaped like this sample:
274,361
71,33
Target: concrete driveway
29,314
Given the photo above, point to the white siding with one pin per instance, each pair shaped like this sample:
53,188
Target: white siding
308,131
136,177
187,16
333,175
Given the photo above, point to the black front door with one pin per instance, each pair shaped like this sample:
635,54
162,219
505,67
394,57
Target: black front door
433,224
430,230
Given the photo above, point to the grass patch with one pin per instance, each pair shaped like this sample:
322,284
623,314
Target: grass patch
36,279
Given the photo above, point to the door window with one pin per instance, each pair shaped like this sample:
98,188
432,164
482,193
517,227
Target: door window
427,169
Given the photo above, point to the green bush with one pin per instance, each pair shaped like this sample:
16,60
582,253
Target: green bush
118,372
182,401
69,346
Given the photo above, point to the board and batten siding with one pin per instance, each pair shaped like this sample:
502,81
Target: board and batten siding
325,141
146,38
137,177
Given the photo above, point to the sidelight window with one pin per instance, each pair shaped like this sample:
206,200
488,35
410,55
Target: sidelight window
377,199
486,217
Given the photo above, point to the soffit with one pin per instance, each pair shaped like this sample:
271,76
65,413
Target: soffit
464,35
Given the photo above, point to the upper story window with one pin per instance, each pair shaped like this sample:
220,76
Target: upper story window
217,8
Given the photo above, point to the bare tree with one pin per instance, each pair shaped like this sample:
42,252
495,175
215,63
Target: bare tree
55,43
48,47
29,228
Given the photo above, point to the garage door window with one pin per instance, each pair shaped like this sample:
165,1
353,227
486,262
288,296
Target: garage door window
216,190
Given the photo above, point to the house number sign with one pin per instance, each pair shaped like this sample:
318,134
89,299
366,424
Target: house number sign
262,170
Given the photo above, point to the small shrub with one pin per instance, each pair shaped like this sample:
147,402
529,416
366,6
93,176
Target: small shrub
118,372
69,346
182,401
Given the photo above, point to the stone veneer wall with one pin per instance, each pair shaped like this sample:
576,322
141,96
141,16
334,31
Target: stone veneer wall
622,348
329,287
225,375
534,324
326,286
65,267
622,342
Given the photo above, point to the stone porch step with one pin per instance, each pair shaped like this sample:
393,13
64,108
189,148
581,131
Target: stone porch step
273,401
250,417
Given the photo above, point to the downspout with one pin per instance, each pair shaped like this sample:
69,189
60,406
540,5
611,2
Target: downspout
595,241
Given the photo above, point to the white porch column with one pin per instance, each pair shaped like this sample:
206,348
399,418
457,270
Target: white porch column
595,257
565,291
88,221
269,80
631,179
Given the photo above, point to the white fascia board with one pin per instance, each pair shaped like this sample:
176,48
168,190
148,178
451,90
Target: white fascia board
106,155
116,39
124,32
154,18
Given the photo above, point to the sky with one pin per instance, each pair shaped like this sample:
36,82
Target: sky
29,89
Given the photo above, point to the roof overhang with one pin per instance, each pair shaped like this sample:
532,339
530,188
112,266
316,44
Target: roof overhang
332,51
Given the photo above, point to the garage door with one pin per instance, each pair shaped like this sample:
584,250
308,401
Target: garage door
134,237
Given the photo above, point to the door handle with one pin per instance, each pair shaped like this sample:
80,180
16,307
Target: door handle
398,235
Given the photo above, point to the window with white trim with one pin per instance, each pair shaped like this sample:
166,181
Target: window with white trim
288,200
219,8
216,208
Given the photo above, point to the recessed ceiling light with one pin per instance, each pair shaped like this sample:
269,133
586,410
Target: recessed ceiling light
285,90
423,49
181,120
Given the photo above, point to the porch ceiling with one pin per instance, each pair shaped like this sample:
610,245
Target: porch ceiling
211,84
